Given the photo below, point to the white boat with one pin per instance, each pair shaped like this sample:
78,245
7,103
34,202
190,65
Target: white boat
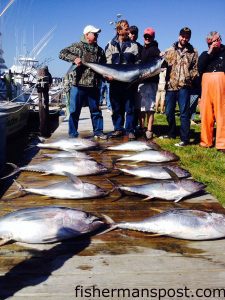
15,116
2,141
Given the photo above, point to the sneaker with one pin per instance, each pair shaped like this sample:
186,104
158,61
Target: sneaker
149,135
101,136
193,122
131,136
117,133
165,137
181,144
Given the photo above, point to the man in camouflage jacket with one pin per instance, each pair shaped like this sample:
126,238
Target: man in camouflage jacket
181,63
85,82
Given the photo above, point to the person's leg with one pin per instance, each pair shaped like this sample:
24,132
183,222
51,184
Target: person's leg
218,90
117,103
157,101
206,109
108,103
142,102
193,106
96,113
162,106
129,102
171,97
150,121
151,90
75,109
184,107
67,95
142,117
102,93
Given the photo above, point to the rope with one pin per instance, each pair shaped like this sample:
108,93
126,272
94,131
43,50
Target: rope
31,88
57,92
25,103
13,100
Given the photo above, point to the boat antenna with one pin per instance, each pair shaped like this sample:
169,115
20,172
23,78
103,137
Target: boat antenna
7,6
42,43
2,61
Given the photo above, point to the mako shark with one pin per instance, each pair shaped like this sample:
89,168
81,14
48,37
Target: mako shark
127,73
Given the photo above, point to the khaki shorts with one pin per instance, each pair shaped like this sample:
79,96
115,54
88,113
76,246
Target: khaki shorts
160,95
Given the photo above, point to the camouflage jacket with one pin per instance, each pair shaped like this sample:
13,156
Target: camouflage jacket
181,67
81,75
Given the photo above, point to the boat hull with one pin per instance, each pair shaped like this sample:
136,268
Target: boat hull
16,117
2,141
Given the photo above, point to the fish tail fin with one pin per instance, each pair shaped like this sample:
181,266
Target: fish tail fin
42,139
20,187
114,187
4,241
155,146
172,174
111,228
109,222
147,198
159,210
121,195
16,169
177,200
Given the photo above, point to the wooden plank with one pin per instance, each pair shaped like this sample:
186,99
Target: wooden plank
117,259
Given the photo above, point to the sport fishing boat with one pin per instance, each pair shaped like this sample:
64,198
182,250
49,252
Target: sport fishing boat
15,116
2,141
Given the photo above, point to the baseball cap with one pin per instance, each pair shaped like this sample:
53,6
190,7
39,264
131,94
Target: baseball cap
133,29
149,31
91,28
185,30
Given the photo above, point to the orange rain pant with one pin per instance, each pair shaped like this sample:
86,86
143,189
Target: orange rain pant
212,108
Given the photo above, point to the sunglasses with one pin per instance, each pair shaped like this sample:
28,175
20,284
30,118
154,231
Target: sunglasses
217,40
147,36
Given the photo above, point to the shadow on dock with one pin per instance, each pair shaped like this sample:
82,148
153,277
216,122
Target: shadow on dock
39,266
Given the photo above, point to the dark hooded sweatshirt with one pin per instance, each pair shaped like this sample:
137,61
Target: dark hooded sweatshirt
148,53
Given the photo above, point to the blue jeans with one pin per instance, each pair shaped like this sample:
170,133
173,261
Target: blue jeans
122,100
104,92
79,96
183,98
193,105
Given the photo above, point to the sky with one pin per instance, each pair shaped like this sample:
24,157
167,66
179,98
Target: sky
26,22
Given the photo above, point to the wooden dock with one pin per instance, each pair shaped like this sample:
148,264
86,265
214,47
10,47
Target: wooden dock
115,265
